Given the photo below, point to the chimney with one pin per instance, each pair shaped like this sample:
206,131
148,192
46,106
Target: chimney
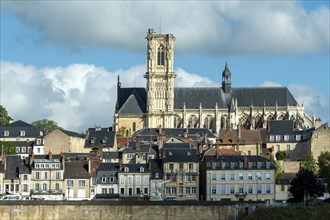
217,151
50,155
138,145
163,154
31,156
200,148
245,162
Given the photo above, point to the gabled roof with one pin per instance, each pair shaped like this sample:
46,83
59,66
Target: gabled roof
17,126
15,166
108,167
72,133
245,136
135,168
131,100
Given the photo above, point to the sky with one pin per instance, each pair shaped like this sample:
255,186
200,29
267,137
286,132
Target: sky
60,59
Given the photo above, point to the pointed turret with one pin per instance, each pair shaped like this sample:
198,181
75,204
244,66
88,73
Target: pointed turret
226,79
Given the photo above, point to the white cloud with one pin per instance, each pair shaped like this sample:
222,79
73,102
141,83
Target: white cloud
314,101
77,96
214,27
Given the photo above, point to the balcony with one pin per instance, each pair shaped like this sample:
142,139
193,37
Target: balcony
46,192
241,195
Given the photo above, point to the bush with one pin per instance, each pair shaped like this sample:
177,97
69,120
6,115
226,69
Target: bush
280,155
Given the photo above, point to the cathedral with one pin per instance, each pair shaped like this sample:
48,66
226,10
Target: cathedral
161,104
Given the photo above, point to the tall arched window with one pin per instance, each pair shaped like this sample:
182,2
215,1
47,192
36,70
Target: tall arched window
193,121
177,122
134,127
161,56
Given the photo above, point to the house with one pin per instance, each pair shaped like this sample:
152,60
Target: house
64,141
157,182
282,190
15,176
76,179
107,180
47,175
320,141
23,135
181,170
237,178
103,138
283,136
134,180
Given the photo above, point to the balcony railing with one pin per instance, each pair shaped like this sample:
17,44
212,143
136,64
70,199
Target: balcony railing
43,192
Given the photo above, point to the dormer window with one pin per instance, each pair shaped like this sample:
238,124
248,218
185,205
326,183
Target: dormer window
93,140
286,137
6,133
104,140
298,137
278,137
22,133
188,153
38,141
103,179
141,169
126,169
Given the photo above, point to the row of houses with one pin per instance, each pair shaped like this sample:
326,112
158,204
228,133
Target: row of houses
154,163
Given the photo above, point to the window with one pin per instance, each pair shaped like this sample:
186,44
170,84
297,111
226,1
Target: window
134,127
250,176
44,187
37,187
180,178
103,179
214,165
37,175
232,165
57,165
17,187
241,189
29,149
188,190
122,190
6,133
288,147
258,188
193,190
180,189
46,175
240,176
240,165
122,180
22,133
69,183
191,167
188,178
57,175
259,165
17,149
146,191
258,176
138,180
104,190
25,177
146,180
126,169
278,137
267,165
38,141
25,187
268,188
138,191
57,186
171,166
232,189
250,189
271,137
129,156
214,189
223,176
267,176
130,180
160,56
141,169
81,183
111,179
214,176
23,149
232,176
286,137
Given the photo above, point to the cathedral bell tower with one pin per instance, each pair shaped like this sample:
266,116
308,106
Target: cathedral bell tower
160,79
226,79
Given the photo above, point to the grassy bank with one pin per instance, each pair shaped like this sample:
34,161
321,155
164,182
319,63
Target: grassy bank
292,213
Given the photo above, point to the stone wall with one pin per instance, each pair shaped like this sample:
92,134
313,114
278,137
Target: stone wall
105,210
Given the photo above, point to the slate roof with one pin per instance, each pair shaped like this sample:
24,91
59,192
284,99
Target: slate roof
17,126
108,167
180,155
73,134
135,168
133,100
111,155
177,146
156,167
100,138
15,166
76,169
236,159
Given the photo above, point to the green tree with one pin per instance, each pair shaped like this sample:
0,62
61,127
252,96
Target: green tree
46,126
278,170
324,167
121,132
4,117
309,163
7,148
280,155
305,185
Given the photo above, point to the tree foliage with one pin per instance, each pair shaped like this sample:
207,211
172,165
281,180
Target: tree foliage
324,167
4,117
46,126
7,148
309,163
280,155
121,132
278,170
305,184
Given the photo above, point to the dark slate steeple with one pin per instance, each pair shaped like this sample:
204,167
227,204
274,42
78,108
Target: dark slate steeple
226,79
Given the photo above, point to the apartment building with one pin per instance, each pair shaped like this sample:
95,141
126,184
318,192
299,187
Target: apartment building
237,178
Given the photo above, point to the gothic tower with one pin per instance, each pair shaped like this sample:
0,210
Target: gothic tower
160,79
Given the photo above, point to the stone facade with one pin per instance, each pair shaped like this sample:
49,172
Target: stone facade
320,141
